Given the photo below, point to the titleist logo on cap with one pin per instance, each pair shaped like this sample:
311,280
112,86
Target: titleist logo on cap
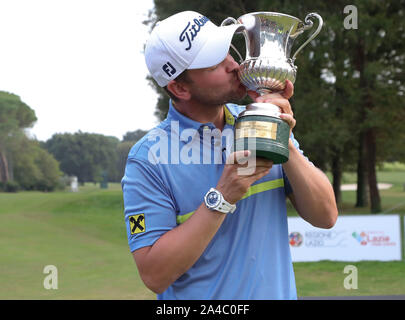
191,30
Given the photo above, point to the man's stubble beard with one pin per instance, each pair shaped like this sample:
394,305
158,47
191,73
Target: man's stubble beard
211,99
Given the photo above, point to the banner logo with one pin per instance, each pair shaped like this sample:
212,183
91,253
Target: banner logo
295,239
373,238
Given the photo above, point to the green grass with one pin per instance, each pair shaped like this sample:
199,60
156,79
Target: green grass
325,278
393,199
83,235
393,166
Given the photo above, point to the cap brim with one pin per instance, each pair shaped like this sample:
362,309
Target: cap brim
215,48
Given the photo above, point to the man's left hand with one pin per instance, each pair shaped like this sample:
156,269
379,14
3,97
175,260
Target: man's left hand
280,99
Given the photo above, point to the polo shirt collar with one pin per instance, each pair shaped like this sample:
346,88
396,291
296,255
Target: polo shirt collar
187,123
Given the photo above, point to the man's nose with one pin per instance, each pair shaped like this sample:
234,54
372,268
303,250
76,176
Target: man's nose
232,65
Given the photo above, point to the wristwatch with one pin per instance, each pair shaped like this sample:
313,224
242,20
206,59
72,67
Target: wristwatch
214,200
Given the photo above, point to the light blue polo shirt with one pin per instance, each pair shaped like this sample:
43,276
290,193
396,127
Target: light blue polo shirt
166,177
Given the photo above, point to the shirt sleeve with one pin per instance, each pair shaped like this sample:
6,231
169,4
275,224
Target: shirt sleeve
148,207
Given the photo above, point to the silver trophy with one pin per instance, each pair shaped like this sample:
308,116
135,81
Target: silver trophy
269,37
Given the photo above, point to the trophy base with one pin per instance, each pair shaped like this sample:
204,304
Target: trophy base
265,149
266,137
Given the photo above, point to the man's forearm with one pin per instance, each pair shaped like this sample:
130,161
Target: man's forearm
178,249
313,193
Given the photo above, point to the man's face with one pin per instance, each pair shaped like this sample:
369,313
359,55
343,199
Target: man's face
217,85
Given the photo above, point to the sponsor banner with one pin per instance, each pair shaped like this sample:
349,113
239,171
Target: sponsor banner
353,238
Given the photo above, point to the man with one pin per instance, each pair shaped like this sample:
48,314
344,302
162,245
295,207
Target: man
200,227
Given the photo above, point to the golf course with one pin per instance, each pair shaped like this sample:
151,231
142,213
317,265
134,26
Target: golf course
82,234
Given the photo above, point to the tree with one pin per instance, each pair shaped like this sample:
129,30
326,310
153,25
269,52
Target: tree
376,53
123,148
15,116
23,160
85,155
134,136
34,167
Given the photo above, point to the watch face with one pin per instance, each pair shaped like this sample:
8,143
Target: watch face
212,198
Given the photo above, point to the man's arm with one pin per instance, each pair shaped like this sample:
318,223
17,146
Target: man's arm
313,195
177,250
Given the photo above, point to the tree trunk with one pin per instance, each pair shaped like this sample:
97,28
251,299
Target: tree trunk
362,186
362,199
10,166
337,178
4,177
375,199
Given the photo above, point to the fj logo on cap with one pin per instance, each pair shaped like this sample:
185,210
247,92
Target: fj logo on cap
137,223
169,69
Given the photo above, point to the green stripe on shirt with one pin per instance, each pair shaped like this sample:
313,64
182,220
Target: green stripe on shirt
257,188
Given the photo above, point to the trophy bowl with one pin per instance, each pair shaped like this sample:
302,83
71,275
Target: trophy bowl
269,37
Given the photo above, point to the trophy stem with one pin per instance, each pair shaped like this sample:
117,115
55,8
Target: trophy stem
263,91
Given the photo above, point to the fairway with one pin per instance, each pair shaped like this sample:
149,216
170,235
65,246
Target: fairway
83,235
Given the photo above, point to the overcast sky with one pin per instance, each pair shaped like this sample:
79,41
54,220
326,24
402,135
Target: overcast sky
78,64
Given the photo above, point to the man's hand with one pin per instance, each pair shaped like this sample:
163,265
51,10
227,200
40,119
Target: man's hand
280,99
240,171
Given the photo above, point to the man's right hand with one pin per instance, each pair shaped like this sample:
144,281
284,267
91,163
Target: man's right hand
240,171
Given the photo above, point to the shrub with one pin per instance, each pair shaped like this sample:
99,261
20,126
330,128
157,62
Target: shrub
11,186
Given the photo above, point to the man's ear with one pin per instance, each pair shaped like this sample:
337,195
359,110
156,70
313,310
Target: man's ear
179,89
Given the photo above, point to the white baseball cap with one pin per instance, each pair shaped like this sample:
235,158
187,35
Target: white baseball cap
186,40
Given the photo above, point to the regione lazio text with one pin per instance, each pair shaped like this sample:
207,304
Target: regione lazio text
375,238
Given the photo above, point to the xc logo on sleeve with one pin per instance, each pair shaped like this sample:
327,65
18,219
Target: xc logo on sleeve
169,69
137,223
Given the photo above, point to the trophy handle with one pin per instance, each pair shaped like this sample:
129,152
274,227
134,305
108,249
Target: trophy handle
227,22
308,25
